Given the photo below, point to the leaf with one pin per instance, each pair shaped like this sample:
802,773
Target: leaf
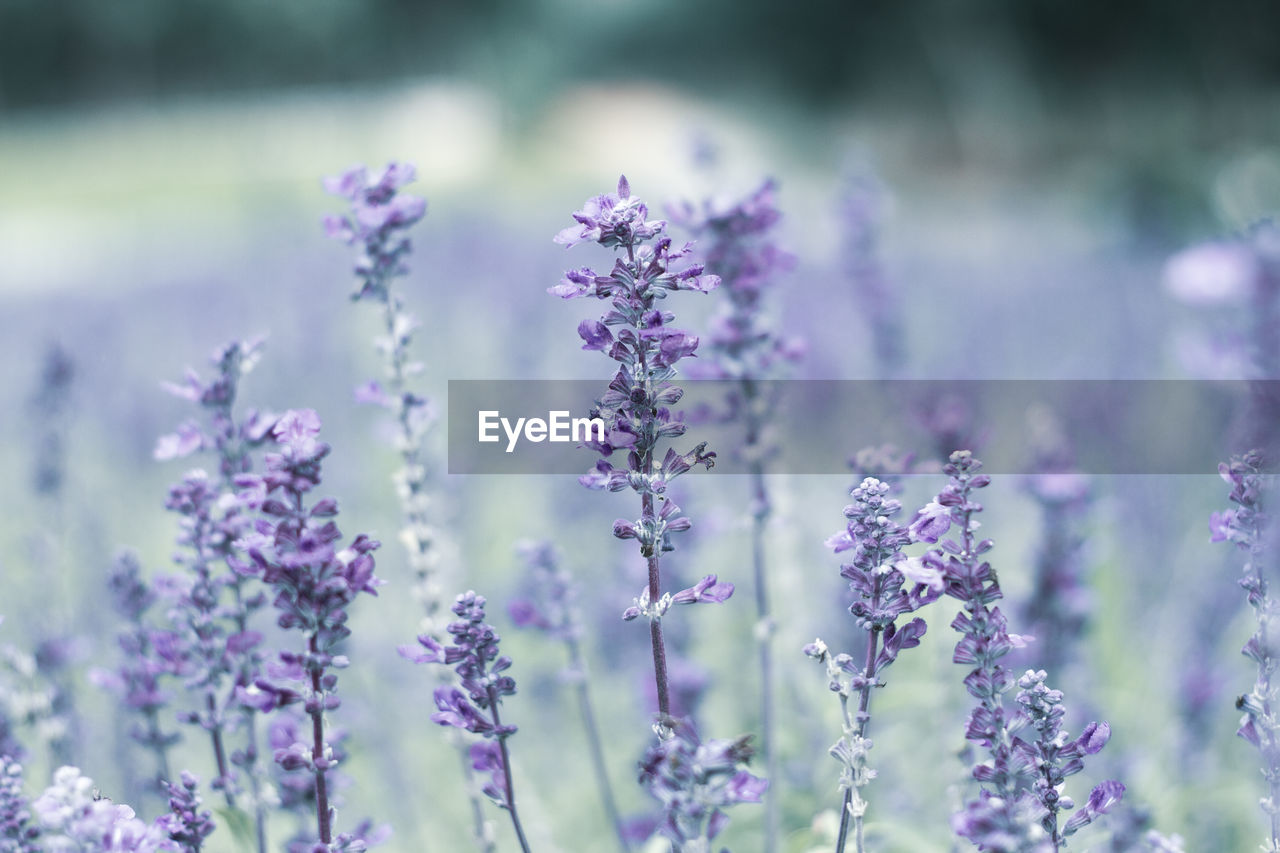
240,824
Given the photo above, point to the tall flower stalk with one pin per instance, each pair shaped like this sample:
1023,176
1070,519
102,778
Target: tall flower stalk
293,548
637,407
147,659
1017,808
1247,525
377,224
480,665
212,613
861,213
887,584
552,609
745,349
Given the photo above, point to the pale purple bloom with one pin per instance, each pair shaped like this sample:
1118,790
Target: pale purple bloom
695,781
931,523
1212,274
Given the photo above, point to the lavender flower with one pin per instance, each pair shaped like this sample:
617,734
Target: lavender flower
379,216
1247,526
1014,811
222,651
17,833
314,585
50,406
1059,605
73,818
862,210
637,407
744,347
377,225
886,585
185,823
1241,275
552,609
1054,757
288,729
995,820
695,781
148,656
479,664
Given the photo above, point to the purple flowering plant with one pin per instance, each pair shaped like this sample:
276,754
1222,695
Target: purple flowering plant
552,608
886,584
637,408
475,656
1020,779
293,549
1247,525
745,347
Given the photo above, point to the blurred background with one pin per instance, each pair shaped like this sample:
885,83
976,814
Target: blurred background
1024,169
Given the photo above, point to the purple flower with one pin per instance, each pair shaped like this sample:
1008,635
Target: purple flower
1247,526
638,407
694,781
1212,274
186,823
294,551
931,523
707,590
475,656
137,679
376,221
1220,525
886,584
1055,758
17,832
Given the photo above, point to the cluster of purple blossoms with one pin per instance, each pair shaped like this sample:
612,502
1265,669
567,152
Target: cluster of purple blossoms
380,214
231,440
149,655
637,407
741,252
73,818
746,348
17,833
861,211
293,550
377,225
1017,807
476,658
886,584
50,405
214,604
1054,756
1241,277
1059,606
186,823
1248,525
695,781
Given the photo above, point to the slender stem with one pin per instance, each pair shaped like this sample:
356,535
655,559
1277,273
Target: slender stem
506,771
255,785
219,750
478,825
844,820
595,748
1264,690
859,723
764,625
317,754
156,738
